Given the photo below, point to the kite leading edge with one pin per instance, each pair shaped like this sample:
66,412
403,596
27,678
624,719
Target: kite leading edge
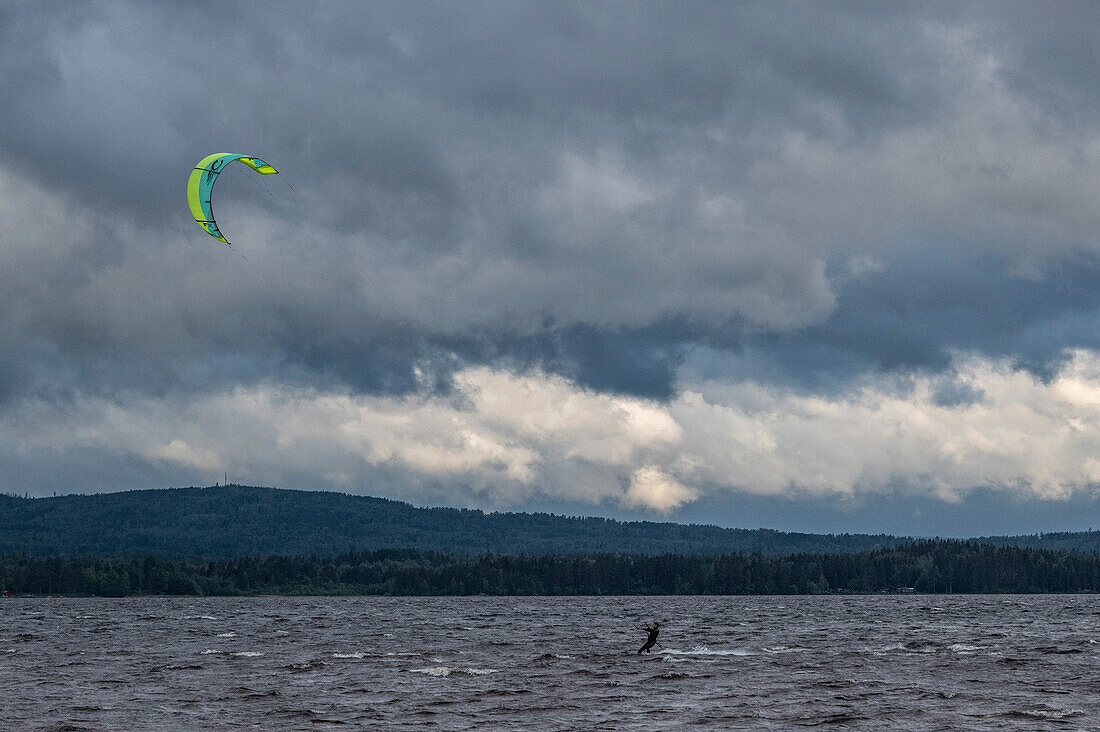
201,183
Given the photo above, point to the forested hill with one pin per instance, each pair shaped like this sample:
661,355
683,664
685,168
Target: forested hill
237,521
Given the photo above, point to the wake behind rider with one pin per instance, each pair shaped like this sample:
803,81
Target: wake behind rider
652,639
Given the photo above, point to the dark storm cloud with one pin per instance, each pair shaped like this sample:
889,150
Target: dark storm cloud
913,315
433,144
922,307
641,361
377,95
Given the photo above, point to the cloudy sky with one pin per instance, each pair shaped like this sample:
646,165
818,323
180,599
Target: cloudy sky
826,267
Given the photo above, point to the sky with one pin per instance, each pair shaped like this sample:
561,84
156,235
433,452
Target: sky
808,266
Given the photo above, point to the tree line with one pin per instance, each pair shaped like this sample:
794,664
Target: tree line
927,566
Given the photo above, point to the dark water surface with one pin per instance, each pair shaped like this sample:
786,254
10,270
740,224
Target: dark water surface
878,662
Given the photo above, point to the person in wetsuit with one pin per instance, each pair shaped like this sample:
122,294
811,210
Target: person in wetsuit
652,639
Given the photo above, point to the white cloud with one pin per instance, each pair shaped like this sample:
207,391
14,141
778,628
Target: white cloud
1023,435
179,452
652,488
513,436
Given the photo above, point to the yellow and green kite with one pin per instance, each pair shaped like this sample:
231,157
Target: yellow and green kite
201,183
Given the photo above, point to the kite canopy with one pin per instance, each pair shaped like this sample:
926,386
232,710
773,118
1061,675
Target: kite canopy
201,183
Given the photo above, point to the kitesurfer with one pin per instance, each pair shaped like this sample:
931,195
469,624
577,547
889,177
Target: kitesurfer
652,639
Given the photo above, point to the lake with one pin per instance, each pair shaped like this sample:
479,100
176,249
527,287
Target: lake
547,663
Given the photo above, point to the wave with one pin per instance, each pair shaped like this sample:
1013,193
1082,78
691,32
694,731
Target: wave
443,671
1048,713
704,651
432,670
910,647
1058,650
964,648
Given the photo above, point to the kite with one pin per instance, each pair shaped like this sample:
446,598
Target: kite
201,183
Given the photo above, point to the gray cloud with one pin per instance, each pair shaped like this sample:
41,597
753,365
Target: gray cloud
564,173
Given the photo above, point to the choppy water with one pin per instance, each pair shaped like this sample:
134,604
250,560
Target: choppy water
886,662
